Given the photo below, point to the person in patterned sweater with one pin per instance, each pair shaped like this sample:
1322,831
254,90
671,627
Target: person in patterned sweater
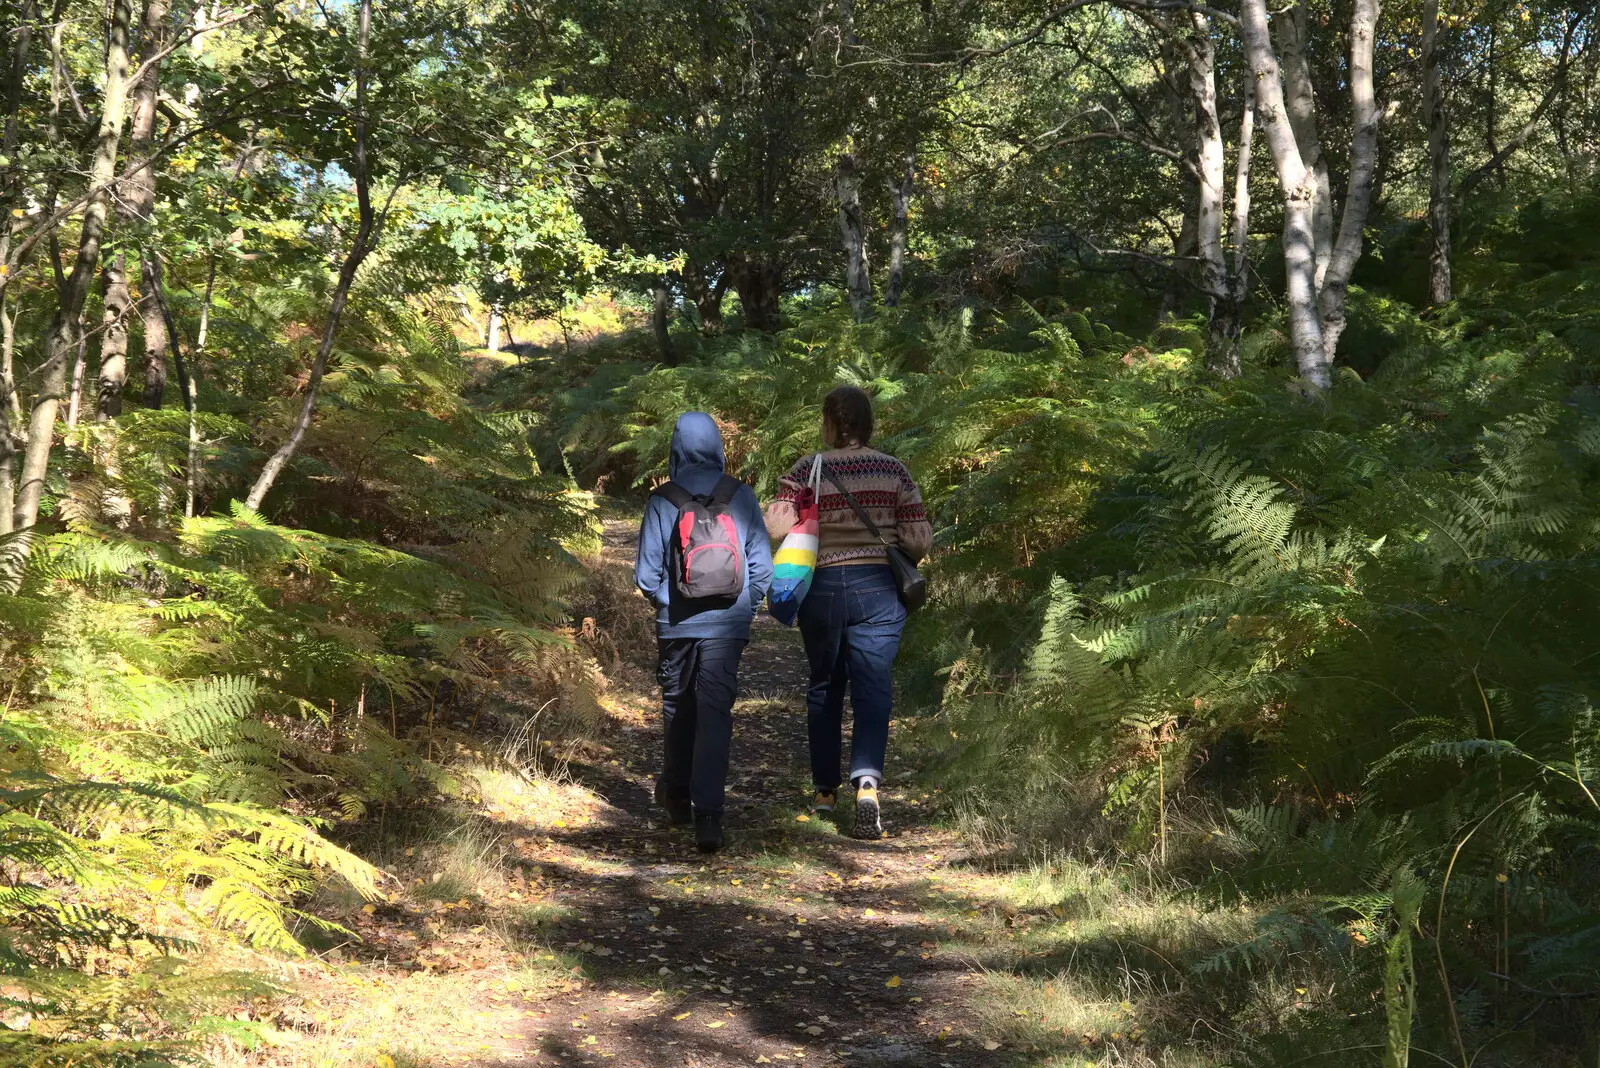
852,617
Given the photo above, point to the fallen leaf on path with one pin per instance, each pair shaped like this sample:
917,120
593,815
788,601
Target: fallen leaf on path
893,982
714,1024
991,1045
684,1015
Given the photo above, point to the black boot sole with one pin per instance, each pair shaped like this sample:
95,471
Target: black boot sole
869,824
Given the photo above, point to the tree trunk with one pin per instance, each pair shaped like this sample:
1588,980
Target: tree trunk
1211,165
900,192
1299,188
1301,105
19,40
68,324
706,296
16,72
1439,287
192,478
492,338
1363,162
359,249
759,282
79,367
661,321
117,303
8,486
140,199
1227,323
853,237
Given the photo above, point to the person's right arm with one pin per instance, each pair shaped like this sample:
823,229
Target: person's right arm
650,562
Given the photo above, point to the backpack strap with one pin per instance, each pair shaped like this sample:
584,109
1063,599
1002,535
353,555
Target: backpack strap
674,494
727,486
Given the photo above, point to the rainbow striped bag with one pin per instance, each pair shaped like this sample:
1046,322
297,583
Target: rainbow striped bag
796,559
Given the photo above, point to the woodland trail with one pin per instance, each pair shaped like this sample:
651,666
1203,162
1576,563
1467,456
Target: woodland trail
796,944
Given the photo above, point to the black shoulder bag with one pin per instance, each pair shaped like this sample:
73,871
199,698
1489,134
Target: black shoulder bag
912,585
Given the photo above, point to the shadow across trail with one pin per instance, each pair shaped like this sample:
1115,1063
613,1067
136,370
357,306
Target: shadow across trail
797,944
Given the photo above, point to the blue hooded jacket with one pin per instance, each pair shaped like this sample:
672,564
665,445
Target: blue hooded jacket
696,464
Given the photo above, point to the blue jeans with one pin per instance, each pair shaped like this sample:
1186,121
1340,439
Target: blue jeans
851,621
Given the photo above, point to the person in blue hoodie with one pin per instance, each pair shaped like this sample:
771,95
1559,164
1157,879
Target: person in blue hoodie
699,641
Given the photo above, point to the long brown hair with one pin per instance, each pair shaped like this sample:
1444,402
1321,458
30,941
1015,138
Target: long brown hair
847,416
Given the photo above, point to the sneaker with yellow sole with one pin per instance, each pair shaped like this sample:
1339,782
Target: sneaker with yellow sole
822,804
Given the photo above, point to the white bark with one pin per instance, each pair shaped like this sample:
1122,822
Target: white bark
492,337
79,366
1439,282
1300,101
1299,193
1211,172
1364,116
68,323
193,476
8,486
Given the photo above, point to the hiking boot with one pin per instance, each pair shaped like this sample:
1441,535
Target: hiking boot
679,814
822,804
868,825
708,831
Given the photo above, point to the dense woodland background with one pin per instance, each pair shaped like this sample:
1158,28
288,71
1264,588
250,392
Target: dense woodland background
1249,360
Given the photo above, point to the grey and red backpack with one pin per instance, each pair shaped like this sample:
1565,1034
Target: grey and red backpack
707,556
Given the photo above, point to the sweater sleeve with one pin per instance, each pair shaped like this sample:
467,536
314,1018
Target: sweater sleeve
794,492
914,531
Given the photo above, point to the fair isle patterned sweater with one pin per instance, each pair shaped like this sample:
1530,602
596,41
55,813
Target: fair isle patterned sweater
880,484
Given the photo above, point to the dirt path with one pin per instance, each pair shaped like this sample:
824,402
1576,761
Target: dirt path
795,944
551,919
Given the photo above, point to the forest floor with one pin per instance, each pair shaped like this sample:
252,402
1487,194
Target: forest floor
555,921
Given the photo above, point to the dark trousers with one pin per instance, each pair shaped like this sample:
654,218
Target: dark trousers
851,622
699,681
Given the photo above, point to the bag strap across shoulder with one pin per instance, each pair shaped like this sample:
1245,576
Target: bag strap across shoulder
726,487
674,494
722,494
861,513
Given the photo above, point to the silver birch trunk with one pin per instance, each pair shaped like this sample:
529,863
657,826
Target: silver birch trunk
1299,194
1227,321
193,476
359,249
1301,104
853,237
117,303
1211,176
492,338
1439,282
79,368
8,485
68,324
900,191
1364,117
